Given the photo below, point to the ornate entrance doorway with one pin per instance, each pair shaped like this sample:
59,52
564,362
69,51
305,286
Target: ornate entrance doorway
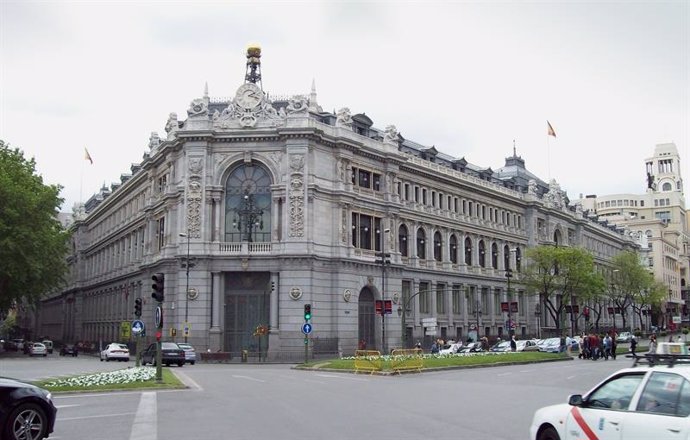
366,312
247,299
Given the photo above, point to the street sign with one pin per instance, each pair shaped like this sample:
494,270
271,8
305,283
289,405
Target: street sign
125,327
186,328
511,324
306,328
429,322
137,327
159,317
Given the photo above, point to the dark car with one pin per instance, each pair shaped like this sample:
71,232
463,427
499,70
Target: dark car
26,411
69,350
171,353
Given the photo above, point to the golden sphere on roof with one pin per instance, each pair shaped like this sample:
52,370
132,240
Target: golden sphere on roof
253,50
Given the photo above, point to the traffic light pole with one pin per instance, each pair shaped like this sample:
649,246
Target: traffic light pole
159,295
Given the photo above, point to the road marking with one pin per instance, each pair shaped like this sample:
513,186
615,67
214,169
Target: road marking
248,378
99,395
526,371
66,406
346,377
188,381
145,426
570,377
504,374
63,419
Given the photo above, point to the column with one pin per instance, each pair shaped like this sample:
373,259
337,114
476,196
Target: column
215,339
216,218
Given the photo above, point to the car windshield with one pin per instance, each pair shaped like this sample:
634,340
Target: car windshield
185,346
170,346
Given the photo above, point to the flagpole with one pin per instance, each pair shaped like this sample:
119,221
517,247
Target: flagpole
81,182
548,156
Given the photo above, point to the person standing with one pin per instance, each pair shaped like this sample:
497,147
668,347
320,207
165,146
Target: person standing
513,344
607,347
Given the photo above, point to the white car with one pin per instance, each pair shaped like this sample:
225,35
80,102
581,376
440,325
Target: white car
38,349
649,401
189,352
115,351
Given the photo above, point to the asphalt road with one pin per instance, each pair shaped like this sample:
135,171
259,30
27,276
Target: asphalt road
277,402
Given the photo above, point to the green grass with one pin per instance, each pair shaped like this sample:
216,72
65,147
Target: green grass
430,362
169,381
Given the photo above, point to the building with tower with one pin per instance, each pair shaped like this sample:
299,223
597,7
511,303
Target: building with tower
254,208
658,215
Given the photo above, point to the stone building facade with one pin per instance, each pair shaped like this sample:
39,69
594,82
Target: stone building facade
253,208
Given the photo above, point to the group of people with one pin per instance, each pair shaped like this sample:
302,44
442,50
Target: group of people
594,347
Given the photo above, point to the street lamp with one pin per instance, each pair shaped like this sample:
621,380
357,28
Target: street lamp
384,260
537,313
249,216
478,313
186,291
509,275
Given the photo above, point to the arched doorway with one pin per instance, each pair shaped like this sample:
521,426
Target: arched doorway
367,314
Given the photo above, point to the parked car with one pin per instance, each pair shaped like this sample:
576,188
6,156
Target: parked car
471,347
49,345
189,352
115,351
643,402
18,344
527,345
23,405
501,347
38,349
624,337
171,353
69,350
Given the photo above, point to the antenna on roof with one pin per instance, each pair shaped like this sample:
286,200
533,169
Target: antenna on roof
514,153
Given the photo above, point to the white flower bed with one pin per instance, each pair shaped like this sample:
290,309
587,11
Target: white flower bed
436,355
119,377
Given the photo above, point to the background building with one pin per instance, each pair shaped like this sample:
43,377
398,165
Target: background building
253,208
659,215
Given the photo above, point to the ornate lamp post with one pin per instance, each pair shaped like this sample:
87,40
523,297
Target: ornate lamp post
509,275
249,216
187,265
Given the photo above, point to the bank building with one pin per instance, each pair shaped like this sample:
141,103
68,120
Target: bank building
254,208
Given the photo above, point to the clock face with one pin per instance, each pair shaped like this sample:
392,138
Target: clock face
248,96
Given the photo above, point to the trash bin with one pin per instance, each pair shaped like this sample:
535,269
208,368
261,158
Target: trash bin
245,354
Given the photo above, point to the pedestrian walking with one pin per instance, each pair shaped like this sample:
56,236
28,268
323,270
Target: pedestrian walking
607,347
633,345
513,344
652,344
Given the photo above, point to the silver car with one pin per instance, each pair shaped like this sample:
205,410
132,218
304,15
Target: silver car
189,352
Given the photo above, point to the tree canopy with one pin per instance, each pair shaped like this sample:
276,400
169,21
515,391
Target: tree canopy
33,243
558,275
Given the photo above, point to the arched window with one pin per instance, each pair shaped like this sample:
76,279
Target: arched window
453,249
402,240
421,243
248,204
518,259
557,237
437,246
468,251
482,254
666,186
506,257
494,256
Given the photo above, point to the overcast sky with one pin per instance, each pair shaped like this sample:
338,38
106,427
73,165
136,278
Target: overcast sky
613,78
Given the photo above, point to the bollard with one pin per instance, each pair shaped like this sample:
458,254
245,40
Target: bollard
244,355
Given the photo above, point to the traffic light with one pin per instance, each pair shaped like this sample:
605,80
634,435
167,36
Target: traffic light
158,287
137,307
307,312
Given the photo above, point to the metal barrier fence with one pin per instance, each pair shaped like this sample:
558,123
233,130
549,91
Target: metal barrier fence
406,359
368,360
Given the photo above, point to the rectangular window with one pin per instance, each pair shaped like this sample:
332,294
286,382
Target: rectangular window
377,182
364,179
416,194
407,191
424,297
497,302
162,183
160,236
457,302
424,202
440,299
485,301
406,293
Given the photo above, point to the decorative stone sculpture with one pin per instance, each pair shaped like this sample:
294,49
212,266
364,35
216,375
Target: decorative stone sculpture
343,118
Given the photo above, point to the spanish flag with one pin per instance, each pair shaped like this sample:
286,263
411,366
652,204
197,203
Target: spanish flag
550,130
87,156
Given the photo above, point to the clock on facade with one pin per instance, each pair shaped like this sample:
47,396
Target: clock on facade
249,96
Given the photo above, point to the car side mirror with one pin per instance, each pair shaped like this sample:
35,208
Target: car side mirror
575,400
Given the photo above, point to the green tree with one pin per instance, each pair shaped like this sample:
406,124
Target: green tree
630,284
33,243
560,275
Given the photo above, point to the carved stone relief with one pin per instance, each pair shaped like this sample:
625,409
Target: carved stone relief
198,108
344,118
296,196
194,198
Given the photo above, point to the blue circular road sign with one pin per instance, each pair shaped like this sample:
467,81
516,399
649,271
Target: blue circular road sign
137,326
306,328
